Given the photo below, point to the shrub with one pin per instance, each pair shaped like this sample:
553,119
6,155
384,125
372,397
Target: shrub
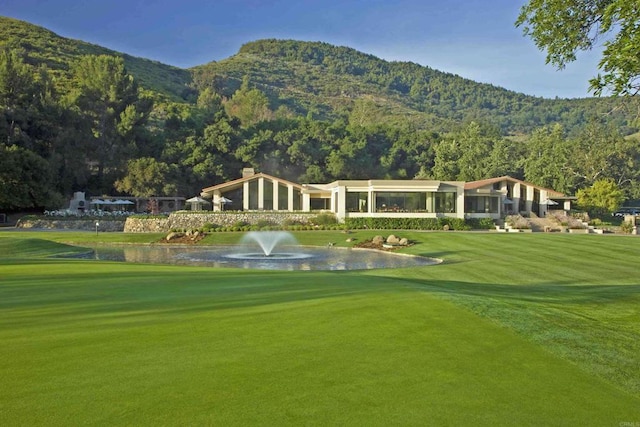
517,221
626,227
209,227
324,219
263,224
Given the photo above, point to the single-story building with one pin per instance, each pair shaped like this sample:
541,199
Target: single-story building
490,198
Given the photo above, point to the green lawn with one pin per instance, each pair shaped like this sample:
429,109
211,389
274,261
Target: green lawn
526,329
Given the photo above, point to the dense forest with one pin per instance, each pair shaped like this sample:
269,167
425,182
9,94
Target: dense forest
79,117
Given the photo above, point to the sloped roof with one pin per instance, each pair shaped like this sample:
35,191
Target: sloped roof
472,185
237,182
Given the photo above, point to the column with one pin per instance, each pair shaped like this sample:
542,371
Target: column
261,194
460,201
276,187
530,192
245,196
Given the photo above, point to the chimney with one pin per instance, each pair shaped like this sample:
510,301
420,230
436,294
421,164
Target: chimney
246,172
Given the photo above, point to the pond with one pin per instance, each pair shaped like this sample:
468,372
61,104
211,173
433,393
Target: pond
286,258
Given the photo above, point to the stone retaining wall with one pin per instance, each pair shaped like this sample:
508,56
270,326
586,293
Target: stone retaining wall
188,221
178,220
77,224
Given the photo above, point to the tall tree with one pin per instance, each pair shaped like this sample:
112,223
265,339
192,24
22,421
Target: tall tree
465,155
545,164
563,27
249,105
601,198
146,177
107,96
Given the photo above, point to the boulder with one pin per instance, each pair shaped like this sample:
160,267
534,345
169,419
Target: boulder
393,240
174,235
378,240
404,242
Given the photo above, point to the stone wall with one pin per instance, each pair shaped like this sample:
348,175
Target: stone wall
76,224
188,221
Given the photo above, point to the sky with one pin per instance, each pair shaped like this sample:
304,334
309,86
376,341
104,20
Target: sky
475,39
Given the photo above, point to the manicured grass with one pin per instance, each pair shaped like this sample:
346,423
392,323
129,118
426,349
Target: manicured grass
533,329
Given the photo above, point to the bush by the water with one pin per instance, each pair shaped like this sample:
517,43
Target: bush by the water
420,223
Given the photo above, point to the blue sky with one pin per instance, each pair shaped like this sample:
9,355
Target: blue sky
475,39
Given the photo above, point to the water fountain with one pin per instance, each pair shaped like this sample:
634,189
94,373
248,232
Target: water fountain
261,244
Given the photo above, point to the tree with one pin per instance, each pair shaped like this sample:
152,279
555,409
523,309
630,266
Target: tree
547,154
602,197
26,180
563,27
249,105
145,177
466,155
108,98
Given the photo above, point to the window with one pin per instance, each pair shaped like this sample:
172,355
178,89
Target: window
357,202
481,204
268,195
401,202
283,197
445,202
317,204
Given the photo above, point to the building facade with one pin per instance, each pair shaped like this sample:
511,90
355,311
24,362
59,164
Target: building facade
491,198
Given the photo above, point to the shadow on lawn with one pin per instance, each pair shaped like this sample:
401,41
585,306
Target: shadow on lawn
544,293
139,296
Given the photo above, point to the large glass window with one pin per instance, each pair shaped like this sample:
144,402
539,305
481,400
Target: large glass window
445,202
317,204
268,195
283,197
481,204
297,200
401,202
253,194
357,202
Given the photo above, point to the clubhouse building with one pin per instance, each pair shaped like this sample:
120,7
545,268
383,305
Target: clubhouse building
490,198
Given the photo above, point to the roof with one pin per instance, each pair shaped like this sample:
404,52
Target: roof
472,185
238,182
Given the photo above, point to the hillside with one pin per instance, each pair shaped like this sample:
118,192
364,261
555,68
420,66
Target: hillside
326,79
44,47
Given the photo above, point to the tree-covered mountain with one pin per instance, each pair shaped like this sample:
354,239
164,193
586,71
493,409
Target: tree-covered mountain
327,80
78,117
45,48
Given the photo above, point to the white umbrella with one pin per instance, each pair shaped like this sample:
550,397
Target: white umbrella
196,203
549,202
97,202
223,200
197,199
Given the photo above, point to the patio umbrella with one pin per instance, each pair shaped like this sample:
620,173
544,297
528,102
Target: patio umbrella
197,199
549,202
97,202
196,203
223,201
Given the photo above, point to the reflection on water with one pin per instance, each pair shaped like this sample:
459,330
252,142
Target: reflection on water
219,256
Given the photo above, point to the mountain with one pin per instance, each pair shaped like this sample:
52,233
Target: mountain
43,47
326,82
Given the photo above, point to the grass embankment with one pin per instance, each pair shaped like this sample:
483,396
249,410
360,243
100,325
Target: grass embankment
512,329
